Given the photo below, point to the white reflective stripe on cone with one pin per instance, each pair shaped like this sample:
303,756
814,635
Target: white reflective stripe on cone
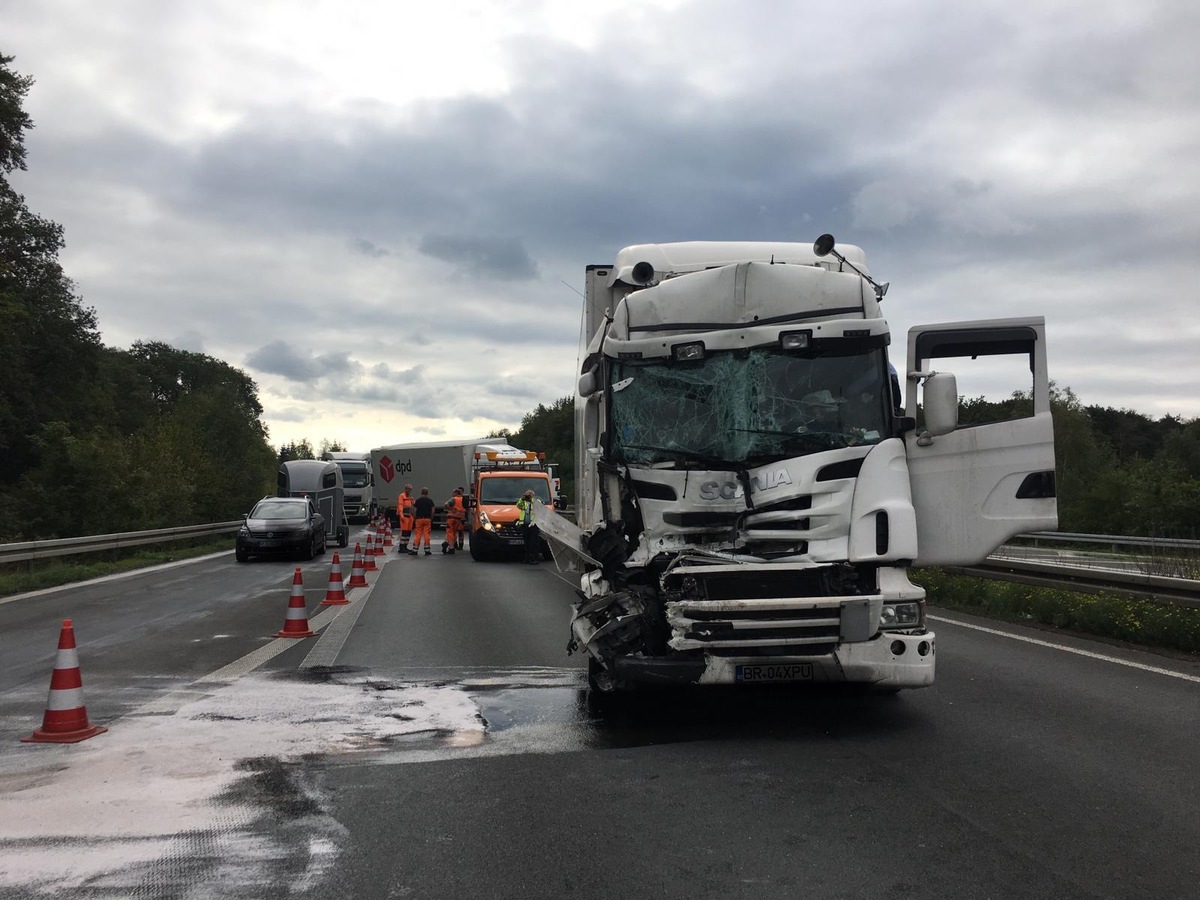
71,698
66,659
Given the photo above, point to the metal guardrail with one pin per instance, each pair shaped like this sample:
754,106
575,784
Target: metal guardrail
1113,540
31,550
1044,573
1162,588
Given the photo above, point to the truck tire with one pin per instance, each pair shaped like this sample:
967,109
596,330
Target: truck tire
603,694
477,552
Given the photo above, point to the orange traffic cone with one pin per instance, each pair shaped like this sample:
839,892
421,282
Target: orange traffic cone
369,555
66,719
296,623
334,594
387,536
358,576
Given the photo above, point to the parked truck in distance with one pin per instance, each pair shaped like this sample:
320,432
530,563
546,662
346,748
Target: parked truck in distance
492,473
358,483
751,496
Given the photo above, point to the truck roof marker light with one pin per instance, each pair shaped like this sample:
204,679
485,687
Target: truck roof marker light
823,246
691,352
795,340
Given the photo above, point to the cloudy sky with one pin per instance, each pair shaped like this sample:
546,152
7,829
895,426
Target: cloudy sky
382,211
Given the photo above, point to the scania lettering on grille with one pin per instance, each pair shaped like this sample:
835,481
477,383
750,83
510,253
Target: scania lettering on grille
731,490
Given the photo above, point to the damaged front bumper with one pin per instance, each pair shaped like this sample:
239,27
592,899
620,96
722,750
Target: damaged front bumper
891,661
636,637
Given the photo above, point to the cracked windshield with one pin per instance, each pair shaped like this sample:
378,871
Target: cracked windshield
748,407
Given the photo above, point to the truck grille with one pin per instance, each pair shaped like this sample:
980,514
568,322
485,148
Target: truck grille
736,611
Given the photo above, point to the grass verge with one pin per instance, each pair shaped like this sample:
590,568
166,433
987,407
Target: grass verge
17,578
1143,622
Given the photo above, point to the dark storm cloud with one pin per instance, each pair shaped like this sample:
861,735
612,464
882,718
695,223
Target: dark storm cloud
279,358
496,258
368,249
294,364
991,160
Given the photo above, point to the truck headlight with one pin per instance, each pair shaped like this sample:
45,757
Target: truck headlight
485,522
899,616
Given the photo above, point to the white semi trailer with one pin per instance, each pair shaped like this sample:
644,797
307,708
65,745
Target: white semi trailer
440,466
750,493
358,481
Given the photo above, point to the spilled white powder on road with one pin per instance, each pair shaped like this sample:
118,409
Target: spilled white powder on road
137,806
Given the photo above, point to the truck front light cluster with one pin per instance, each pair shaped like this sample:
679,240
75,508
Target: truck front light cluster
795,340
692,352
899,616
485,522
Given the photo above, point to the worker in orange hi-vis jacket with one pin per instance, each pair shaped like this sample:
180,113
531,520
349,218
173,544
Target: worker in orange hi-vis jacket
456,514
404,512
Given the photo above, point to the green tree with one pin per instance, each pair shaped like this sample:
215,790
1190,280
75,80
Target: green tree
14,121
551,430
301,449
1082,463
49,342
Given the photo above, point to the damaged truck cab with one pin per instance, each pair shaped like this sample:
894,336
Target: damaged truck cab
751,494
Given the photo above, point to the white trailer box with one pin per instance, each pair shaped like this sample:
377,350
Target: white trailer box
440,466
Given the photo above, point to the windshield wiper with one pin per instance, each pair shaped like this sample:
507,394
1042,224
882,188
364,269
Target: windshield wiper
713,462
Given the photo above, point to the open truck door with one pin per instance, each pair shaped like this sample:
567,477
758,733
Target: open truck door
975,486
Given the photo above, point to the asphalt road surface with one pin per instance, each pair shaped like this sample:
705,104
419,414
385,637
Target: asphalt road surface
436,741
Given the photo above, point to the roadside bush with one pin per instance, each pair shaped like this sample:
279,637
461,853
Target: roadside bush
1104,615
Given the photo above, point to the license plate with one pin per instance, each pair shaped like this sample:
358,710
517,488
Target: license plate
270,543
760,672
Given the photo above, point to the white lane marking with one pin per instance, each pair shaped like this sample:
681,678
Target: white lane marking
171,702
1066,649
331,641
115,576
267,652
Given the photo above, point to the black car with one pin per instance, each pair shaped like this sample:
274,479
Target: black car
281,525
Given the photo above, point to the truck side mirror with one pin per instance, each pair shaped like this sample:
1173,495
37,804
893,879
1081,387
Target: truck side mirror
587,383
940,402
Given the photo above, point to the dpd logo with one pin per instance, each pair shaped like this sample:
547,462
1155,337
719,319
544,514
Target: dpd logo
389,470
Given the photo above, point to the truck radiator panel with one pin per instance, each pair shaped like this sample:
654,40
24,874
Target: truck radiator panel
771,641
777,622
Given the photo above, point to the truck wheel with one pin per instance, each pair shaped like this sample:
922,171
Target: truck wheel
477,552
604,693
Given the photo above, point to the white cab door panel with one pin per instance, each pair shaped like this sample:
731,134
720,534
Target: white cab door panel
979,485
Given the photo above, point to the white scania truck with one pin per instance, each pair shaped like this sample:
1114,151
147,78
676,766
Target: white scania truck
751,494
